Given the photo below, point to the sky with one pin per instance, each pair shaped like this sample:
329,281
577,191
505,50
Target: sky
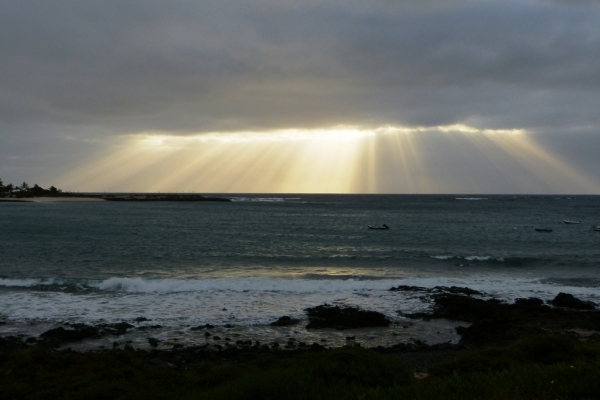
280,96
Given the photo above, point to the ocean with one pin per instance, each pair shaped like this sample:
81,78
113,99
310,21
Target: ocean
166,267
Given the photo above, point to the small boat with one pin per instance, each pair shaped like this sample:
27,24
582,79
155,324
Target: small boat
566,221
384,226
596,228
543,230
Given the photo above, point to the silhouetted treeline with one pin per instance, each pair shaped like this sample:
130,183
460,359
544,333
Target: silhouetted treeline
24,190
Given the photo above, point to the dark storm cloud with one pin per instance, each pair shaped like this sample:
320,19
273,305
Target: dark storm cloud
183,65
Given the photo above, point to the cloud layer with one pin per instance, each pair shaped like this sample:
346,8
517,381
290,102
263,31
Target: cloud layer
86,71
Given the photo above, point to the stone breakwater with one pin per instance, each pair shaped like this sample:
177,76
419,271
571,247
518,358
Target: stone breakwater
163,197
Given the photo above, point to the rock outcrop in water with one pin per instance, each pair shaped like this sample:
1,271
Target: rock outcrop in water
78,332
569,301
327,316
494,322
285,321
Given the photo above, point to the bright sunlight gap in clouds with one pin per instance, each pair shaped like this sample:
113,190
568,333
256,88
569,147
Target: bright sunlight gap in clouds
342,159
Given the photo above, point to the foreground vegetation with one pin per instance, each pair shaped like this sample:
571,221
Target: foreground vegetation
542,368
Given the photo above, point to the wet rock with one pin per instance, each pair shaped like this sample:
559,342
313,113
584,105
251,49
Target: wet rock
569,301
153,342
406,288
458,290
129,347
141,319
498,323
115,329
317,347
460,308
327,316
216,338
285,321
31,340
199,327
437,289
116,344
79,332
529,302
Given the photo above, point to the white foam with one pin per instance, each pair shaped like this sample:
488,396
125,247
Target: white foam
251,301
138,285
24,282
469,258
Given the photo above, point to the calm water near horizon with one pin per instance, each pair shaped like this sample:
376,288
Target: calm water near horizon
244,264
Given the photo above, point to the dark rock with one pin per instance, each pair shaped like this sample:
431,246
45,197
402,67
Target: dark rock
460,308
498,323
129,347
406,288
327,316
285,321
529,302
569,301
458,290
116,344
10,343
199,327
141,319
437,289
79,332
216,338
317,347
31,340
153,342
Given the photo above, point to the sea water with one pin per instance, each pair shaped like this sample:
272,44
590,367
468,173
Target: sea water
241,265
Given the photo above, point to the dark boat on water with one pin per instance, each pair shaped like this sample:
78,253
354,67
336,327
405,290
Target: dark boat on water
543,230
382,227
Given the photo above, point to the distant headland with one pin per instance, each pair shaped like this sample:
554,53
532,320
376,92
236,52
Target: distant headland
27,193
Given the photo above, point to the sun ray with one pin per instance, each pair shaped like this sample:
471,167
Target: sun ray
341,159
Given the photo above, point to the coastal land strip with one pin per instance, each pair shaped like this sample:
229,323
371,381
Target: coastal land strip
488,322
525,349
117,197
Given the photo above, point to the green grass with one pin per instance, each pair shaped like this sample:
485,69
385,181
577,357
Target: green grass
543,368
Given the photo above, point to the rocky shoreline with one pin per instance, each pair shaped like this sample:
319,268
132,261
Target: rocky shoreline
489,322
